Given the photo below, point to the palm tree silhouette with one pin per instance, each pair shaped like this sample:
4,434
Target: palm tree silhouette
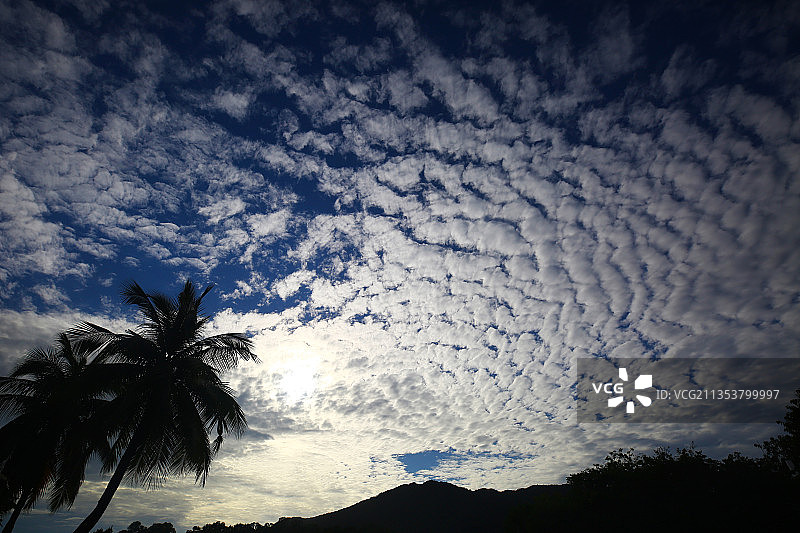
172,396
57,398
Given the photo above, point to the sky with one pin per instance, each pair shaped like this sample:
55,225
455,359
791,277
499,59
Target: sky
423,213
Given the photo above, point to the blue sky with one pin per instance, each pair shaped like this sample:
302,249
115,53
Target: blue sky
422,212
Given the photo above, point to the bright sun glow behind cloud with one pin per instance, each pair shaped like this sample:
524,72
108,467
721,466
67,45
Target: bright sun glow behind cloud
298,379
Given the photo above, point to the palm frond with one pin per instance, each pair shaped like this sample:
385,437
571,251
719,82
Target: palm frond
219,409
38,363
192,452
224,351
69,358
56,397
151,463
92,338
69,469
84,330
17,386
134,348
185,327
13,405
133,294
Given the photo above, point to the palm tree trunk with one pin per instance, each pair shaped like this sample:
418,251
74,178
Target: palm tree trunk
113,484
17,510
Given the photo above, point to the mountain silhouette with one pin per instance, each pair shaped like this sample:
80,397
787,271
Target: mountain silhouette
430,506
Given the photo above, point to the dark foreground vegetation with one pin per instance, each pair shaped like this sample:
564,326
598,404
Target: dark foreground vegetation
665,490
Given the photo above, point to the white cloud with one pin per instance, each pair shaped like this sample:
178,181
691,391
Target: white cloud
222,209
269,224
50,295
403,94
233,104
23,331
292,283
29,243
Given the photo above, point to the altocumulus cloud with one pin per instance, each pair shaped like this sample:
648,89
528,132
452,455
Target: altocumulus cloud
422,215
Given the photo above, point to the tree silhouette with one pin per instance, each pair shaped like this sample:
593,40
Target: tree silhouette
171,395
783,451
667,490
158,527
56,399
